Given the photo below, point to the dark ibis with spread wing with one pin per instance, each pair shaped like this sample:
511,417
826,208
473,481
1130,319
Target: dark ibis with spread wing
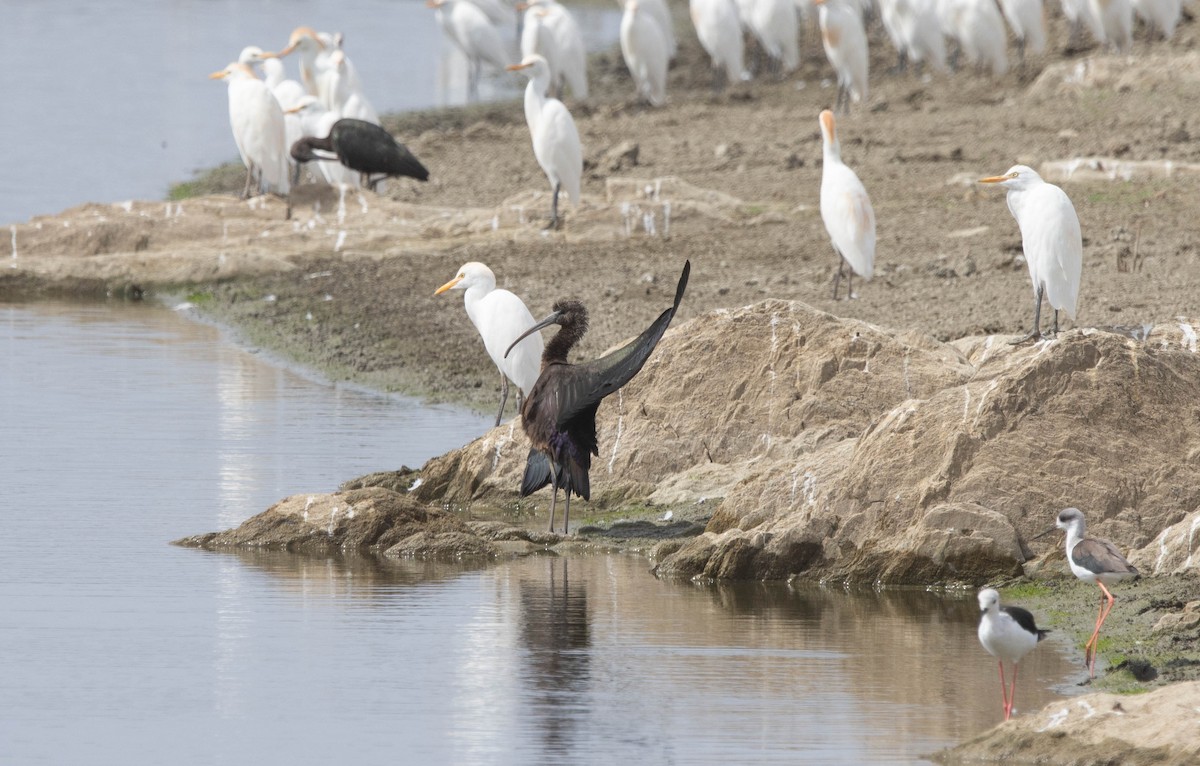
559,414
361,146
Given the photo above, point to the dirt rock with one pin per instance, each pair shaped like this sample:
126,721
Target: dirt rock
1154,729
372,519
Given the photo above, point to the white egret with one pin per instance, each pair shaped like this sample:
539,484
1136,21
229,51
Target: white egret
1112,23
499,12
1051,238
500,317
1160,15
470,30
658,10
558,32
978,28
644,47
846,210
1092,560
556,142
1008,633
845,42
258,127
312,52
344,90
915,31
776,26
1027,18
720,32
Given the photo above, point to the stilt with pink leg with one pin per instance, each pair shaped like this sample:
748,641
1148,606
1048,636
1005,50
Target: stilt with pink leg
1008,633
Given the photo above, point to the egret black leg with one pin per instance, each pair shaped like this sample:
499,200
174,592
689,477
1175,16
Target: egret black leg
1056,321
249,180
1036,332
837,278
850,284
718,82
554,207
503,396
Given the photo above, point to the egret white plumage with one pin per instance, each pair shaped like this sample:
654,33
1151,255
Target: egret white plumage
776,26
658,10
846,210
1096,561
1027,19
719,30
555,138
978,28
1008,633
500,317
558,33
915,30
258,127
469,29
845,42
644,46
1161,16
344,90
311,51
1051,238
1112,23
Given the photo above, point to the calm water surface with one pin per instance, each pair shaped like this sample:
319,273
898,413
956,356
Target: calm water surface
124,428
108,101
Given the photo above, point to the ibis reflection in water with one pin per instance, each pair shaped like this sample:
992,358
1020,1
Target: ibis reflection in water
361,146
559,414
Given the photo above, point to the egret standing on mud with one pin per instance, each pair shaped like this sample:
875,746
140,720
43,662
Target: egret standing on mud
1008,633
555,138
259,128
1092,560
500,316
846,210
845,42
1051,238
559,415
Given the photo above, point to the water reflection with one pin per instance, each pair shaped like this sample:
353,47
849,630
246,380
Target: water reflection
555,636
590,659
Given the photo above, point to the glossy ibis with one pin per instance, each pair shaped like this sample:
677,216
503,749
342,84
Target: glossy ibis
559,414
500,316
362,146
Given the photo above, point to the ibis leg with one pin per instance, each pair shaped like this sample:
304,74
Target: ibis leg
553,499
567,514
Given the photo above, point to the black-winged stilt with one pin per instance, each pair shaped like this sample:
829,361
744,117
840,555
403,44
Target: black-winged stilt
1007,633
1093,560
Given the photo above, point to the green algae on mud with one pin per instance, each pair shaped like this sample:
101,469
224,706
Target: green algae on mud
1133,658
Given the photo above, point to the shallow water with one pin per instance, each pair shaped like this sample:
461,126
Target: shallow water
124,428
110,101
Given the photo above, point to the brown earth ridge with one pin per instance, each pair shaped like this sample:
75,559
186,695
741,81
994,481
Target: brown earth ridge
895,438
